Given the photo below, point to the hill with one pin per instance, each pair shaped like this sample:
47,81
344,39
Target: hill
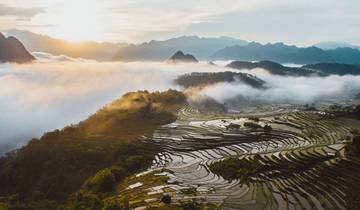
179,57
197,79
12,50
58,164
160,50
335,68
271,67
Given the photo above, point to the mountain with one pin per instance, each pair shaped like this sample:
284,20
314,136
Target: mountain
254,51
12,50
282,53
334,45
202,48
307,55
222,48
335,68
202,79
179,57
345,55
272,67
89,50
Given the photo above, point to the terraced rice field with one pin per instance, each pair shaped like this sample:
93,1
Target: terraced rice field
320,175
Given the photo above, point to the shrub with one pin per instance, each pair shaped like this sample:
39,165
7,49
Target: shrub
166,199
103,181
87,202
111,205
356,144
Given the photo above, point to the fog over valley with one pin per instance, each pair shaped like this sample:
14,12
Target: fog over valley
179,105
50,94
56,91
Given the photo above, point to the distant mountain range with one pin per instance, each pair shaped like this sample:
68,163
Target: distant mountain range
334,45
89,50
12,50
221,48
320,69
282,53
202,48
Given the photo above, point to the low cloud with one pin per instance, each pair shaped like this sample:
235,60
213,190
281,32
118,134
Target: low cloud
56,91
287,89
19,12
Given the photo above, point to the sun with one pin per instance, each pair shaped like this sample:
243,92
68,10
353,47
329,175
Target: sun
78,21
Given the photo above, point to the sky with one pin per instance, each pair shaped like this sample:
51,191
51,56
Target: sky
301,22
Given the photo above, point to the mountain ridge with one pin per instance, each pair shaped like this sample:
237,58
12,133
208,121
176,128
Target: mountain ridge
204,48
331,45
201,47
12,50
282,53
44,43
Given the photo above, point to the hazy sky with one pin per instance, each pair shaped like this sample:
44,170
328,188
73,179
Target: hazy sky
300,22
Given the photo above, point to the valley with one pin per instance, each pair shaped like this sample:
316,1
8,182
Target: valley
179,105
303,162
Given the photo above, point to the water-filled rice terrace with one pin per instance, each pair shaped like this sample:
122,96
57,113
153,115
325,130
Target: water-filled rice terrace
300,163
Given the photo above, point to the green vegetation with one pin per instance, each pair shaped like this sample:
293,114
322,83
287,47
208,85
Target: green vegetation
252,125
129,198
272,67
352,111
247,169
107,144
232,126
356,144
353,148
199,79
335,68
352,187
235,168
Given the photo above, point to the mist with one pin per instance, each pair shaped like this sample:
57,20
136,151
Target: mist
286,89
56,91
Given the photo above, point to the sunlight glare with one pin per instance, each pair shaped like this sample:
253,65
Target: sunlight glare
78,21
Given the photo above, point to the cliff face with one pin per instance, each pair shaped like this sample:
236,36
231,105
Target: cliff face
12,50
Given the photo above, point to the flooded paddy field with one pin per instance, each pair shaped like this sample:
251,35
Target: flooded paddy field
300,160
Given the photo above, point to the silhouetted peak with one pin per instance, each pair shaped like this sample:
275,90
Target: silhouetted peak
14,41
2,36
179,56
13,50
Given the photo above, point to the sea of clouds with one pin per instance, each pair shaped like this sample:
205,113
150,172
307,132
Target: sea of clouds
56,91
281,89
